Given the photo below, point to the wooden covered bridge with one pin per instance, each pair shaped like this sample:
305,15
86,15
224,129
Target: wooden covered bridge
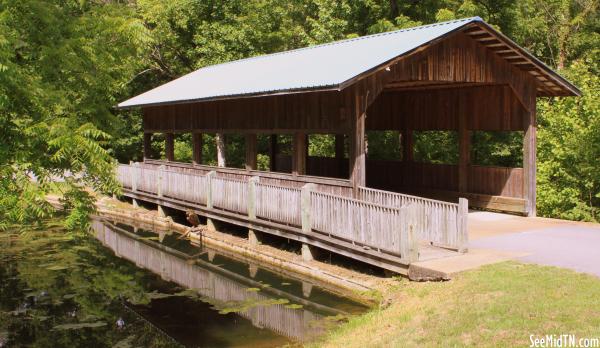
460,76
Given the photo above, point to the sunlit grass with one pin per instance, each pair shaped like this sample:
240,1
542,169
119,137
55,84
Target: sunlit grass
498,305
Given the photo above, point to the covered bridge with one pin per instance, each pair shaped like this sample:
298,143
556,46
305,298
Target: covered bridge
461,76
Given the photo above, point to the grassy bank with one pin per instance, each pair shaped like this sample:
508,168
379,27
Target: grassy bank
498,305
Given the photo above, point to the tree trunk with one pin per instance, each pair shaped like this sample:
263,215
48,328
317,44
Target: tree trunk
221,159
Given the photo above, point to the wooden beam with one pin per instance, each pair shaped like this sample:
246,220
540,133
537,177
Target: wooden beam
273,153
464,150
357,144
147,146
170,146
251,151
299,143
197,148
339,153
529,155
339,146
221,157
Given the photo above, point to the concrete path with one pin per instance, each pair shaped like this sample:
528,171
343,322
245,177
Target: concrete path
560,243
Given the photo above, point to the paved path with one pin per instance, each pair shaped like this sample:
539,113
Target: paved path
536,240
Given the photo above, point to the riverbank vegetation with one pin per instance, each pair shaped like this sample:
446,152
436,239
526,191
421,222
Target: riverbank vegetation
499,305
65,64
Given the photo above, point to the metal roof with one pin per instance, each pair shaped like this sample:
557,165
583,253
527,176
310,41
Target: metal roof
325,66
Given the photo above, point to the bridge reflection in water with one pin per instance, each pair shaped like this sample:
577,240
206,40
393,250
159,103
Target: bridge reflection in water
302,317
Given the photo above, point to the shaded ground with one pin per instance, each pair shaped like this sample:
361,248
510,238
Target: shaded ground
560,243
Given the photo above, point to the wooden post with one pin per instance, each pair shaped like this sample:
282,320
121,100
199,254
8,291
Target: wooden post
159,190
251,151
147,146
305,207
273,153
299,154
357,145
407,145
411,230
464,153
252,235
529,158
197,148
170,146
209,199
339,153
134,175
252,197
463,233
221,157
209,177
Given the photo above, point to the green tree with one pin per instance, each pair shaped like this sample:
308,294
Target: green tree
63,65
569,148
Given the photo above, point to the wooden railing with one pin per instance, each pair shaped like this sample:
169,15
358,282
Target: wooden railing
374,226
376,220
440,223
280,204
323,184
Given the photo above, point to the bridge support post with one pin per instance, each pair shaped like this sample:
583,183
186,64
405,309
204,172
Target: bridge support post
147,146
251,151
252,235
529,156
161,211
273,153
210,224
197,148
306,289
357,148
299,153
170,147
252,270
308,252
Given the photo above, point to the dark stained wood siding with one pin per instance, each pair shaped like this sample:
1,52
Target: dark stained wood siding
318,112
490,108
498,181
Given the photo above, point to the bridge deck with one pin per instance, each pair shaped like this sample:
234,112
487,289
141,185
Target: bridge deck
384,229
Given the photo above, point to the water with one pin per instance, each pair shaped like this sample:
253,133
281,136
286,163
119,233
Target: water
125,287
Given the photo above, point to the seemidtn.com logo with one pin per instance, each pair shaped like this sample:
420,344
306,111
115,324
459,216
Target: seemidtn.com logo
551,341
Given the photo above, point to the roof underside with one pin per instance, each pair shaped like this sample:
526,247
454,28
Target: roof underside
328,66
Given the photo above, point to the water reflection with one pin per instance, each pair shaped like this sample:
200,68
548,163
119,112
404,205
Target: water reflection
65,289
245,300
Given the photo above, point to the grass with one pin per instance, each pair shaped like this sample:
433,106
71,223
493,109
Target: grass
497,305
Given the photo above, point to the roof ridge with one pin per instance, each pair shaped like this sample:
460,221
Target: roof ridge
468,19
